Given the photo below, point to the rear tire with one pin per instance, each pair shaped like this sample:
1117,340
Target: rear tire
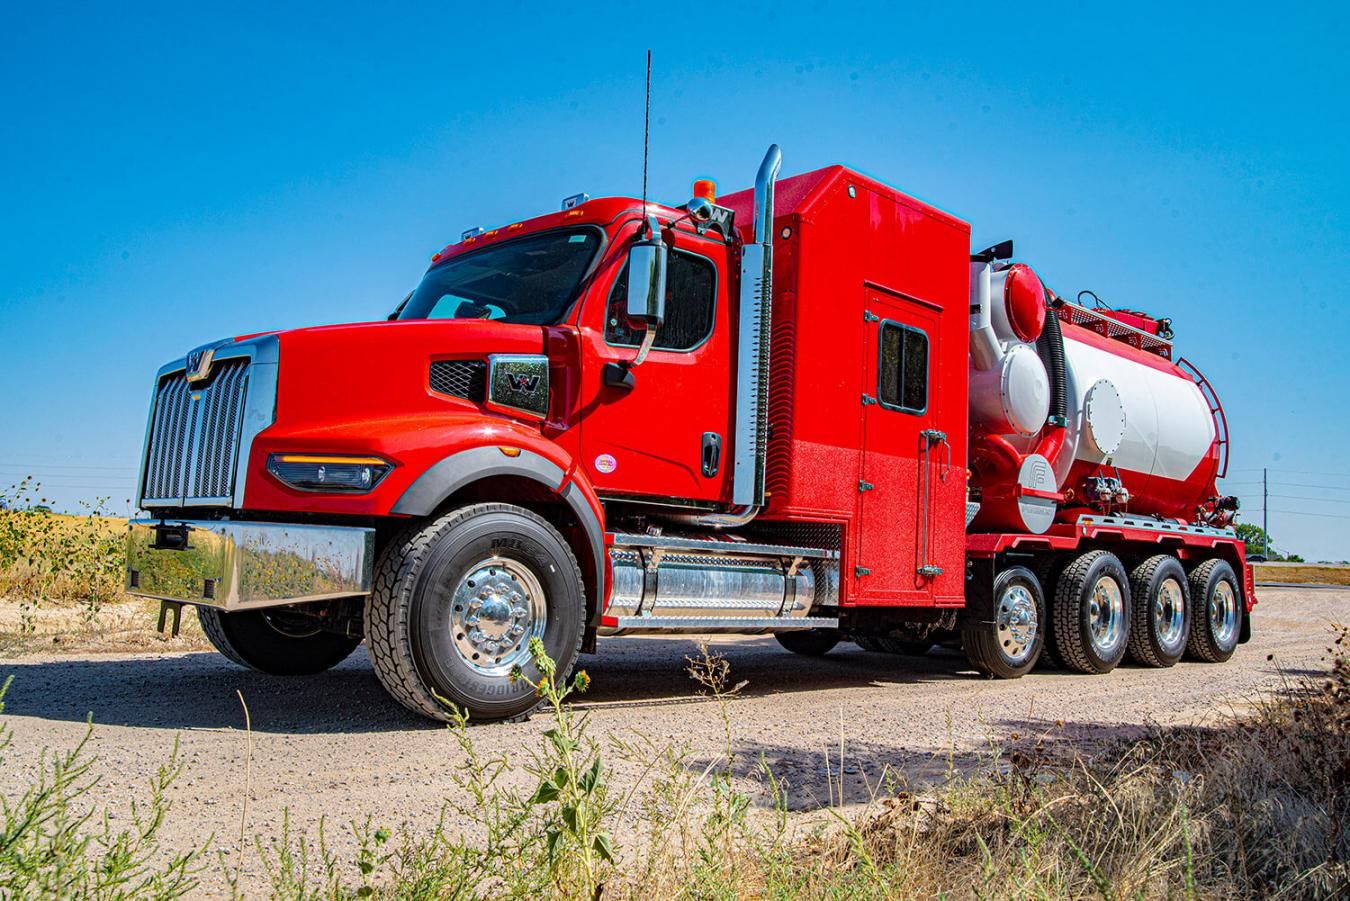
809,642
1216,612
1160,616
457,601
1008,645
1091,615
265,641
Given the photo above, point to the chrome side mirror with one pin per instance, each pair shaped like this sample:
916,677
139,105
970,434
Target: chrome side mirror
647,281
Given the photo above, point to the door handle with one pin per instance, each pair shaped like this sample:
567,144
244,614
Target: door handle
712,453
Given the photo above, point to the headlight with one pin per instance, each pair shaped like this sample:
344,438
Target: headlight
321,473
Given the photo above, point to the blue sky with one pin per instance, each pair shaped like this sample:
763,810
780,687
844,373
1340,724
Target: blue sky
170,176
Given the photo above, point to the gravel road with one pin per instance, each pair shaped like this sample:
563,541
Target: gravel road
334,745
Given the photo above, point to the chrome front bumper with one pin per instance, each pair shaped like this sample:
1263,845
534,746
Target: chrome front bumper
247,565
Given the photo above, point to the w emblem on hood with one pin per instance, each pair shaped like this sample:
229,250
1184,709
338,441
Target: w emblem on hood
199,364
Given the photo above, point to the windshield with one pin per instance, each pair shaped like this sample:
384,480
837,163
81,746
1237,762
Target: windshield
532,280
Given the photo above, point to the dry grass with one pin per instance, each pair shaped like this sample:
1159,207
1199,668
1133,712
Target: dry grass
123,627
1303,573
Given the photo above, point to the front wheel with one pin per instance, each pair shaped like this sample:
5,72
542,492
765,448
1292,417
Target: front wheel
274,641
457,602
1007,644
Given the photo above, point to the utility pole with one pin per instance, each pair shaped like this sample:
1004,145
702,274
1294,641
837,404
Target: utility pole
1265,517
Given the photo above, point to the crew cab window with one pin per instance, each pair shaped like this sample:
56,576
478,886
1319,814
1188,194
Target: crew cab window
531,280
903,368
691,289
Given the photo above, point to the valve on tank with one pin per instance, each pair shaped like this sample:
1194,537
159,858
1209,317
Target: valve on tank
1218,512
1105,494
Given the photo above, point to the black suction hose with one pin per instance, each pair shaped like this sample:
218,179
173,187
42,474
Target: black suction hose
1050,348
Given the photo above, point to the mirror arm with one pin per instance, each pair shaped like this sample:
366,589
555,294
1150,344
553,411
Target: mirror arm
648,339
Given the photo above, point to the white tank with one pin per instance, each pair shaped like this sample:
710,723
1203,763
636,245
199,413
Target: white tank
1160,421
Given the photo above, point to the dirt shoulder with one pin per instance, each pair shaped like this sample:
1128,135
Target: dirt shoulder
335,747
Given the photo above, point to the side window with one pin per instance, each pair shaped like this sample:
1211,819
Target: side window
691,288
903,368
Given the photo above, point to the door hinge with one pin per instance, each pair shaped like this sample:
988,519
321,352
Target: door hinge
930,571
868,400
865,486
861,571
869,316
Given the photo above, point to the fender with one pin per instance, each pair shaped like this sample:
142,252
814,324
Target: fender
450,474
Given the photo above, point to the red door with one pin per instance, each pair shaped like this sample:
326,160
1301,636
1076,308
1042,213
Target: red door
903,471
669,436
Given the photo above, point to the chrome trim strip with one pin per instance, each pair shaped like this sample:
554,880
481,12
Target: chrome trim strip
1153,525
246,566
714,546
699,624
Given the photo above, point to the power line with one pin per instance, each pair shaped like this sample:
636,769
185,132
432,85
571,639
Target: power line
55,466
1305,513
1304,497
1302,472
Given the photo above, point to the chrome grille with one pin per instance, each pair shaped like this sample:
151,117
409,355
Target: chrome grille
194,438
460,378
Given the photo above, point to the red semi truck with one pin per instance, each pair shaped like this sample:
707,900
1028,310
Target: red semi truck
805,409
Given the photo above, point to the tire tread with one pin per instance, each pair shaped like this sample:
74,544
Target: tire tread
1066,614
1141,646
1199,644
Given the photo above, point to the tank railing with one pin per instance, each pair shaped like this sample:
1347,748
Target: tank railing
1215,410
1114,328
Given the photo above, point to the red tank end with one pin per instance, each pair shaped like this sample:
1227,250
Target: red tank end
1024,296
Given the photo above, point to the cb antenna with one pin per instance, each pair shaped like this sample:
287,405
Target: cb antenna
646,133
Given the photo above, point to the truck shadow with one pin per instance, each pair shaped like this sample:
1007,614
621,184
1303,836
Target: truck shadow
199,690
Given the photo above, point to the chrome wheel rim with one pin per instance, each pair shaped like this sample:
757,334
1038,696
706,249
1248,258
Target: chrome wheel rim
1017,623
1106,616
1169,615
496,608
1223,615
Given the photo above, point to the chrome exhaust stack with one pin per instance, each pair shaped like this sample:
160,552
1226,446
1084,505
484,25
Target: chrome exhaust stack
752,353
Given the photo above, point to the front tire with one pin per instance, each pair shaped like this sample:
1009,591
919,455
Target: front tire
456,603
271,642
1216,612
1008,645
1091,615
